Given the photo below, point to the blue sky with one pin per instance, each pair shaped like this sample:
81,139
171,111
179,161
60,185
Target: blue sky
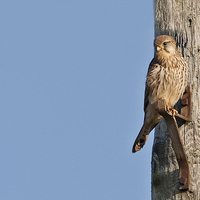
72,88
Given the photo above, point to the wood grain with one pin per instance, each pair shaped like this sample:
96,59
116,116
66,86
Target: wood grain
180,19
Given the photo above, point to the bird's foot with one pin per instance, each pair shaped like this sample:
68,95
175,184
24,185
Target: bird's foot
168,108
174,112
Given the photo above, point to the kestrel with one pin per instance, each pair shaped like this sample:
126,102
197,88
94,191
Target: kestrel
166,79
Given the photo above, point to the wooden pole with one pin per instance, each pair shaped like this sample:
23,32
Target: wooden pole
180,19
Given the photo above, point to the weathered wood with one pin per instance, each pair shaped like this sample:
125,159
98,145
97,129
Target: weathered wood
180,19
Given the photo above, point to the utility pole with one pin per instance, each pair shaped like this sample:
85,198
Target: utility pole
180,19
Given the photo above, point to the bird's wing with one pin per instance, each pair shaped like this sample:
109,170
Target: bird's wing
151,81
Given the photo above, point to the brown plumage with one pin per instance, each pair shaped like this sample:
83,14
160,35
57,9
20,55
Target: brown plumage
166,79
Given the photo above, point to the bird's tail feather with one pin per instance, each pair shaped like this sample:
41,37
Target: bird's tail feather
142,137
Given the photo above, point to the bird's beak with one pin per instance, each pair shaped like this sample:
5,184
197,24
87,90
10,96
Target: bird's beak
158,48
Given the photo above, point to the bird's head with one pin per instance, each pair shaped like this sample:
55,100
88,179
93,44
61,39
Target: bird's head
165,44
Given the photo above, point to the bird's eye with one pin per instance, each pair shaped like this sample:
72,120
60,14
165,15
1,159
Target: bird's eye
165,43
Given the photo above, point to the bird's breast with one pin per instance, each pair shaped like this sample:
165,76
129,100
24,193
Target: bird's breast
167,82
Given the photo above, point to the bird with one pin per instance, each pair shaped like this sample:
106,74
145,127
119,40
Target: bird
166,79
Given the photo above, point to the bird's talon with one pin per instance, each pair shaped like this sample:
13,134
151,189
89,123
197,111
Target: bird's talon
168,107
174,112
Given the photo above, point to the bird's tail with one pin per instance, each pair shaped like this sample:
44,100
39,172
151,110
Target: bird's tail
142,136
141,139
